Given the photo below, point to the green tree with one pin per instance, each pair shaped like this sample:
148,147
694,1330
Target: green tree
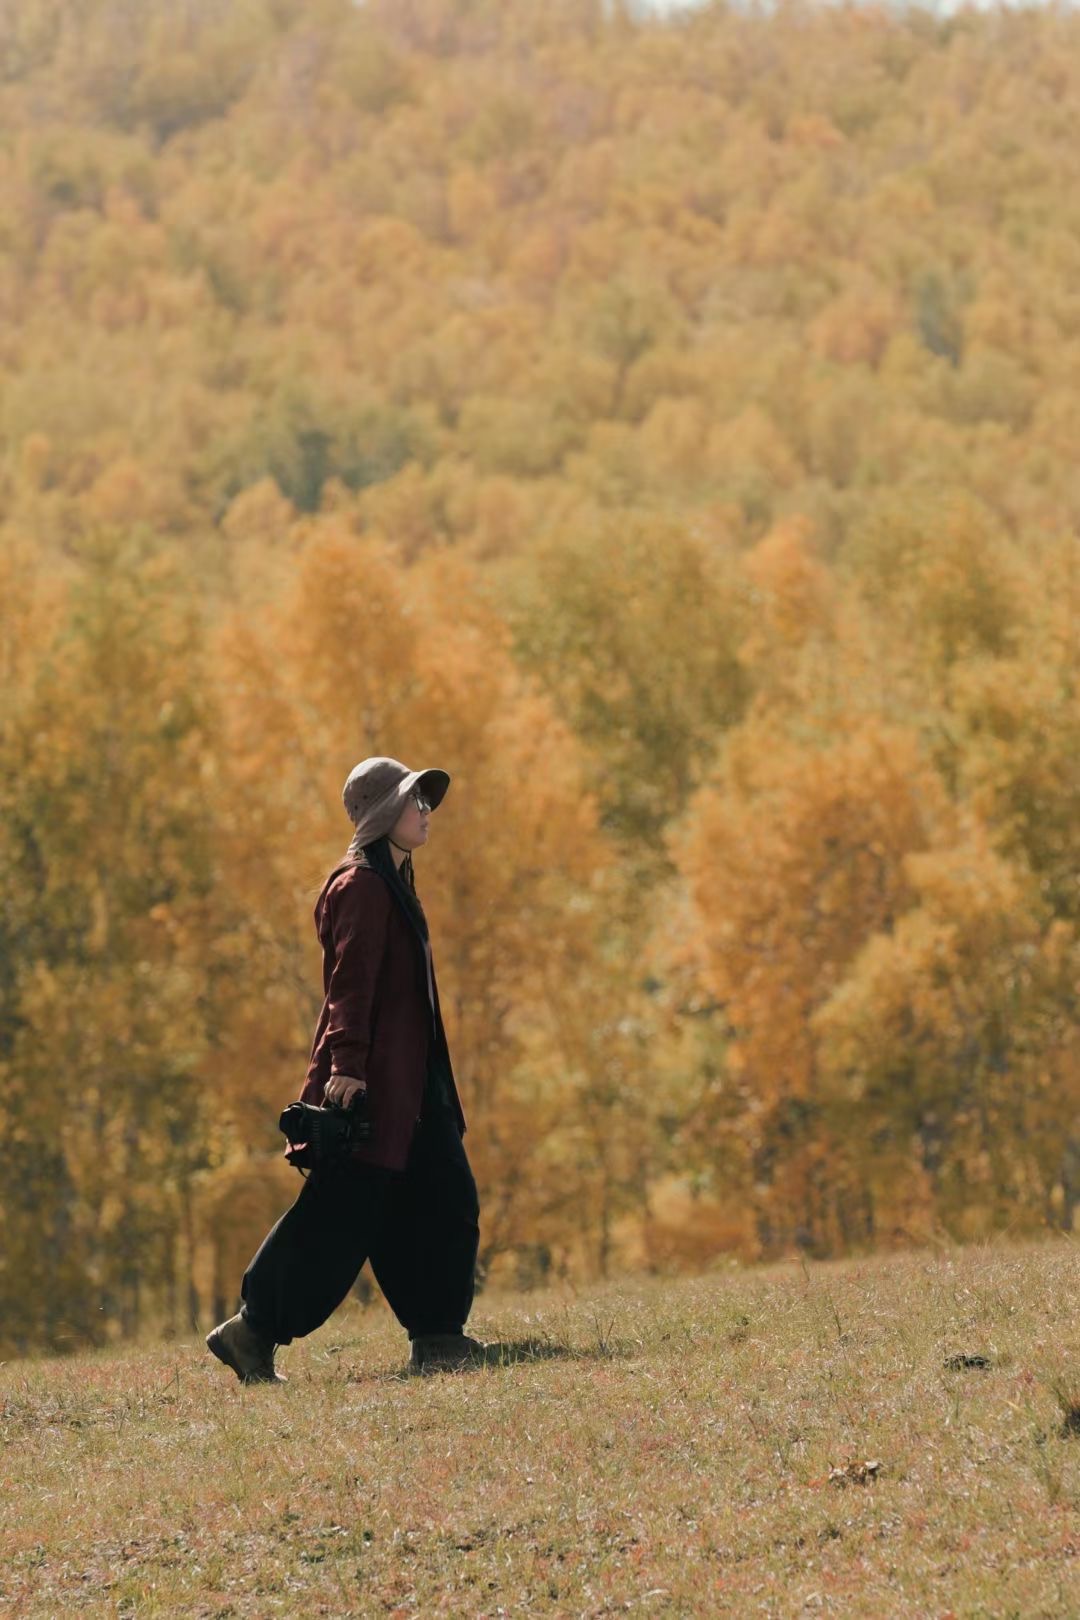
633,625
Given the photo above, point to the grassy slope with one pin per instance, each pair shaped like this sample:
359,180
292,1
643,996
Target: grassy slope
666,1450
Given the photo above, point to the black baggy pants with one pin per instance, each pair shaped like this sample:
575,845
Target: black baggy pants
419,1227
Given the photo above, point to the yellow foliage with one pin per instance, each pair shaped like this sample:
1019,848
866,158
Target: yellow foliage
471,202
670,427
791,590
792,863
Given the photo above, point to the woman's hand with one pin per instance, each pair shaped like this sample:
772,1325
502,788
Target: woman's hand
342,1088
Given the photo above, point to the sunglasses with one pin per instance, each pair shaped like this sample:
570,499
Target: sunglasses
420,802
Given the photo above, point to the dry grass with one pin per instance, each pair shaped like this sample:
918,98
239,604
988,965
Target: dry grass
658,1447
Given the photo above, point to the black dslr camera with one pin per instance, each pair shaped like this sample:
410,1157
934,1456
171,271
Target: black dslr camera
321,1138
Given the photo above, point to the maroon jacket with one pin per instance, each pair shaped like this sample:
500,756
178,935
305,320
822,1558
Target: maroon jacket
378,1022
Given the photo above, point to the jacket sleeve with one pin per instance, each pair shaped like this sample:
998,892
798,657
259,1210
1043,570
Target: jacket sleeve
359,917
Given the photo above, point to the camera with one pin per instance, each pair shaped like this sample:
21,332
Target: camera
318,1138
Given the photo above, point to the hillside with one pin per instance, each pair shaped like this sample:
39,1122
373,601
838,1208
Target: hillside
473,261
668,428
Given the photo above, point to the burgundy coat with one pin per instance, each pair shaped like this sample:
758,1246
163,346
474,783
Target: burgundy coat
378,1022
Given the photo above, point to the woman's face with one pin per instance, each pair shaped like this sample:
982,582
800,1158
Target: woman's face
410,830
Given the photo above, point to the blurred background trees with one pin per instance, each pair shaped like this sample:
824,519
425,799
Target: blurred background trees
669,427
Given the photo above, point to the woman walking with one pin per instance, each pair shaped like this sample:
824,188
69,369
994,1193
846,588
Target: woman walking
407,1199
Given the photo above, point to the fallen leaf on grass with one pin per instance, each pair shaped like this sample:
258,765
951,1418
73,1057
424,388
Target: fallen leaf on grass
854,1473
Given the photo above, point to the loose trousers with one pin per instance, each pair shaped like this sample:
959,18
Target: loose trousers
419,1227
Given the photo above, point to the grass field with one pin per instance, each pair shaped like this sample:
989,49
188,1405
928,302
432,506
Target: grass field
648,1447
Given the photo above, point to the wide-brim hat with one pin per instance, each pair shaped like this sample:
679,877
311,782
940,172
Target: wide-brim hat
377,790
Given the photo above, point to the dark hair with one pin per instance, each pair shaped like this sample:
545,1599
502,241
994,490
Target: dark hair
402,883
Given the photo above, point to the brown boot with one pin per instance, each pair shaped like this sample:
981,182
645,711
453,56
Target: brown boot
439,1352
250,1356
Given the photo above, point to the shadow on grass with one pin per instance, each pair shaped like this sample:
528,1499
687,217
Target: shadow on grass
506,1352
1070,1423
509,1353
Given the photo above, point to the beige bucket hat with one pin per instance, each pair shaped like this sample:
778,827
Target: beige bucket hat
376,791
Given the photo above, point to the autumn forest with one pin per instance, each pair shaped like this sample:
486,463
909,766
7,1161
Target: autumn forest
668,427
